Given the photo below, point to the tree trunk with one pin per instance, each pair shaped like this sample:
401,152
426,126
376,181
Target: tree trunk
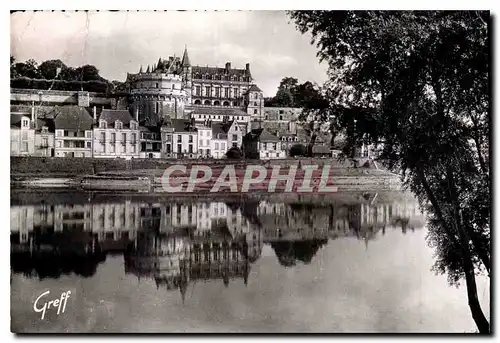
470,278
475,308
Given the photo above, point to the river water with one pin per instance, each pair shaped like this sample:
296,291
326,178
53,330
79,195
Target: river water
357,263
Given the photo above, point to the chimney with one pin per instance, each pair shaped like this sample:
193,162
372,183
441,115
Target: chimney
95,113
192,121
228,65
33,111
137,114
247,67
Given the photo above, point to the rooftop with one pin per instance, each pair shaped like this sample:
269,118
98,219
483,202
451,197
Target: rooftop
73,118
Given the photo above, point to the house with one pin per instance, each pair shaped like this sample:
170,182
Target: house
184,138
73,128
150,141
116,135
204,139
234,133
22,135
44,137
259,143
219,145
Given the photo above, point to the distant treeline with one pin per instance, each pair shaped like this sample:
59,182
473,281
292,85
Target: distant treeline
54,74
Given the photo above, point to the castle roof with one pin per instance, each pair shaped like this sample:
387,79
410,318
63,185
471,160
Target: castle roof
185,59
254,88
218,131
220,110
198,71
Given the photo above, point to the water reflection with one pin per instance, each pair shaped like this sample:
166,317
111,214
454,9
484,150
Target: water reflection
176,243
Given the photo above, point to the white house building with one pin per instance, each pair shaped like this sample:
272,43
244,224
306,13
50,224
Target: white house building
73,128
116,135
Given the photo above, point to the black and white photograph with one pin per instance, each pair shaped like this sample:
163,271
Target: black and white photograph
250,171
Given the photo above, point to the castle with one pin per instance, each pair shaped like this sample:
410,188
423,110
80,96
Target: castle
175,89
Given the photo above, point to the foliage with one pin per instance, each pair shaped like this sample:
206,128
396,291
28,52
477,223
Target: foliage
298,150
419,83
29,75
234,153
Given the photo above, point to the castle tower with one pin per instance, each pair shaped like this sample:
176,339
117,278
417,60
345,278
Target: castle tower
255,102
187,72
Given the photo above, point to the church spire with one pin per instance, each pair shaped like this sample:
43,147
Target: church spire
147,70
140,70
185,58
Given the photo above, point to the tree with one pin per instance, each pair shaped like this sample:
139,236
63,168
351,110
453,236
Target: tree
48,69
88,73
298,150
419,83
234,153
284,98
27,69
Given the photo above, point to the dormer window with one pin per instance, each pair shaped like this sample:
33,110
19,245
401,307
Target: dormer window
118,125
133,125
25,123
103,124
45,129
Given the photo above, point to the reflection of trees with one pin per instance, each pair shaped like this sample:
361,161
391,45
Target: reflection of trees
51,255
289,252
54,265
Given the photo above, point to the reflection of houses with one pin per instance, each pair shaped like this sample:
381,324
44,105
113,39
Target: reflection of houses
223,237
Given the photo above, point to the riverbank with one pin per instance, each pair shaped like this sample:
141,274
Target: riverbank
332,174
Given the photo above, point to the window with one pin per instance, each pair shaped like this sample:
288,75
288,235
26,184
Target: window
226,92
89,134
235,137
208,91
133,126
24,146
223,146
235,145
45,142
24,136
179,139
65,133
25,122
190,148
235,92
118,125
59,144
102,124
197,90
216,146
113,138
157,107
190,138
255,103
133,138
169,138
89,145
124,138
217,92
132,149
157,86
255,111
281,111
281,117
179,148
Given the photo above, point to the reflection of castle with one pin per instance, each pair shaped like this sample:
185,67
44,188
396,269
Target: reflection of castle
178,242
175,260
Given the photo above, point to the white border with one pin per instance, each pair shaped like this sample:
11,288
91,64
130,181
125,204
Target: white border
187,5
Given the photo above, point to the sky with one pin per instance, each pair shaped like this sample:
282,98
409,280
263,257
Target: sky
120,42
